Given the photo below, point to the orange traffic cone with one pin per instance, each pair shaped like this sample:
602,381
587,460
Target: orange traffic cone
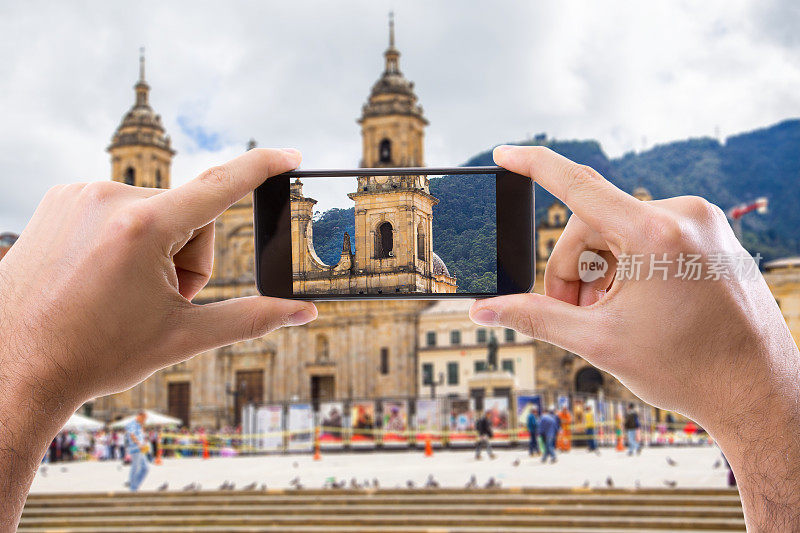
428,446
158,456
206,455
620,445
317,455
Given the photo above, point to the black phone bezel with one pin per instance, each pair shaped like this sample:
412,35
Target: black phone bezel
515,232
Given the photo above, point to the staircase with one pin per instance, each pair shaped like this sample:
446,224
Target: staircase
393,510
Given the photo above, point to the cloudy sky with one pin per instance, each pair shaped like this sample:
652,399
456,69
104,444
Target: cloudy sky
630,74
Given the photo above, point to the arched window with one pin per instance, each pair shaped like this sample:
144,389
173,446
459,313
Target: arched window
158,178
421,242
130,176
322,348
384,241
385,151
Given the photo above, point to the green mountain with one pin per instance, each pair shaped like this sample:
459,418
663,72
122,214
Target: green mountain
765,162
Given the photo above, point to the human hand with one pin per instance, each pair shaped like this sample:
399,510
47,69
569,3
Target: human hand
100,283
96,295
718,351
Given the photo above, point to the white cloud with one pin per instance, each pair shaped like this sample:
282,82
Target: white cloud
297,73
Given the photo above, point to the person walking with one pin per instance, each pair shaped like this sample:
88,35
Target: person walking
484,429
137,449
631,428
588,422
533,430
549,426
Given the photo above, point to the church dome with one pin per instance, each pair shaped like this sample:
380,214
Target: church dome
439,267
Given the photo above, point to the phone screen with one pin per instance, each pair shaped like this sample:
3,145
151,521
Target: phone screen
375,235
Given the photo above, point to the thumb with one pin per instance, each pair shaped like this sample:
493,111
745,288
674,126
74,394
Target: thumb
222,323
541,317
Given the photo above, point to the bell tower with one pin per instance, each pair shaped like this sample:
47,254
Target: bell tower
393,214
141,153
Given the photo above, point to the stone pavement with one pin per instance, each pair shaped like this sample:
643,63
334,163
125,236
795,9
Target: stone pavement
695,468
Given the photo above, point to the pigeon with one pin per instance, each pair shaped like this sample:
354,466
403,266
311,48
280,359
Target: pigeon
251,486
585,484
191,487
375,484
491,484
263,486
63,468
671,461
354,484
637,484
431,483
295,481
718,463
295,465
472,483
670,483
162,488
609,482
228,485
409,484
365,485
516,462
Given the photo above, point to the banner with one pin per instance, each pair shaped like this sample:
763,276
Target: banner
331,416
395,423
429,420
524,406
362,416
301,427
269,427
497,407
461,422
563,402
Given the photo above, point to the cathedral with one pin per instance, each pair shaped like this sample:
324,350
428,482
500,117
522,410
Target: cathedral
355,349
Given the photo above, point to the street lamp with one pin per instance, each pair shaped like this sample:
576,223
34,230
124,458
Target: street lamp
433,384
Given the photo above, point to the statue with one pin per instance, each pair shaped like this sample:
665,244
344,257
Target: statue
491,356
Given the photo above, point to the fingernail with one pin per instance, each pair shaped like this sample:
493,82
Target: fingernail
304,316
502,148
291,151
485,317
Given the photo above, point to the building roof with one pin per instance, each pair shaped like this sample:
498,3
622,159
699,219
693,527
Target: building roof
786,262
439,267
454,306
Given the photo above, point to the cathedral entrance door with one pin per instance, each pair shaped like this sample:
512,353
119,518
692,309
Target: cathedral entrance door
249,389
322,389
178,401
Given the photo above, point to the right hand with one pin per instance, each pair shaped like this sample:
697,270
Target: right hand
718,351
677,344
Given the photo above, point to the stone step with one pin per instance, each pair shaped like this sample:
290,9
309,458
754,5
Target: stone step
501,522
336,498
340,529
458,510
688,492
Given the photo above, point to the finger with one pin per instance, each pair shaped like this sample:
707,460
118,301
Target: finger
604,207
222,323
562,275
194,262
203,199
570,327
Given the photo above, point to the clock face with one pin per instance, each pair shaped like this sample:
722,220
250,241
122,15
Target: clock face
381,179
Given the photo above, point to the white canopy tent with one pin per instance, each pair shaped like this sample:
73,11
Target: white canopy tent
153,419
78,422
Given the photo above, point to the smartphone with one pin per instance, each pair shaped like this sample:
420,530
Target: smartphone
372,233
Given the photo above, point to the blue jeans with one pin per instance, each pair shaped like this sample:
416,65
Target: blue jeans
139,468
549,447
590,439
533,444
633,444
